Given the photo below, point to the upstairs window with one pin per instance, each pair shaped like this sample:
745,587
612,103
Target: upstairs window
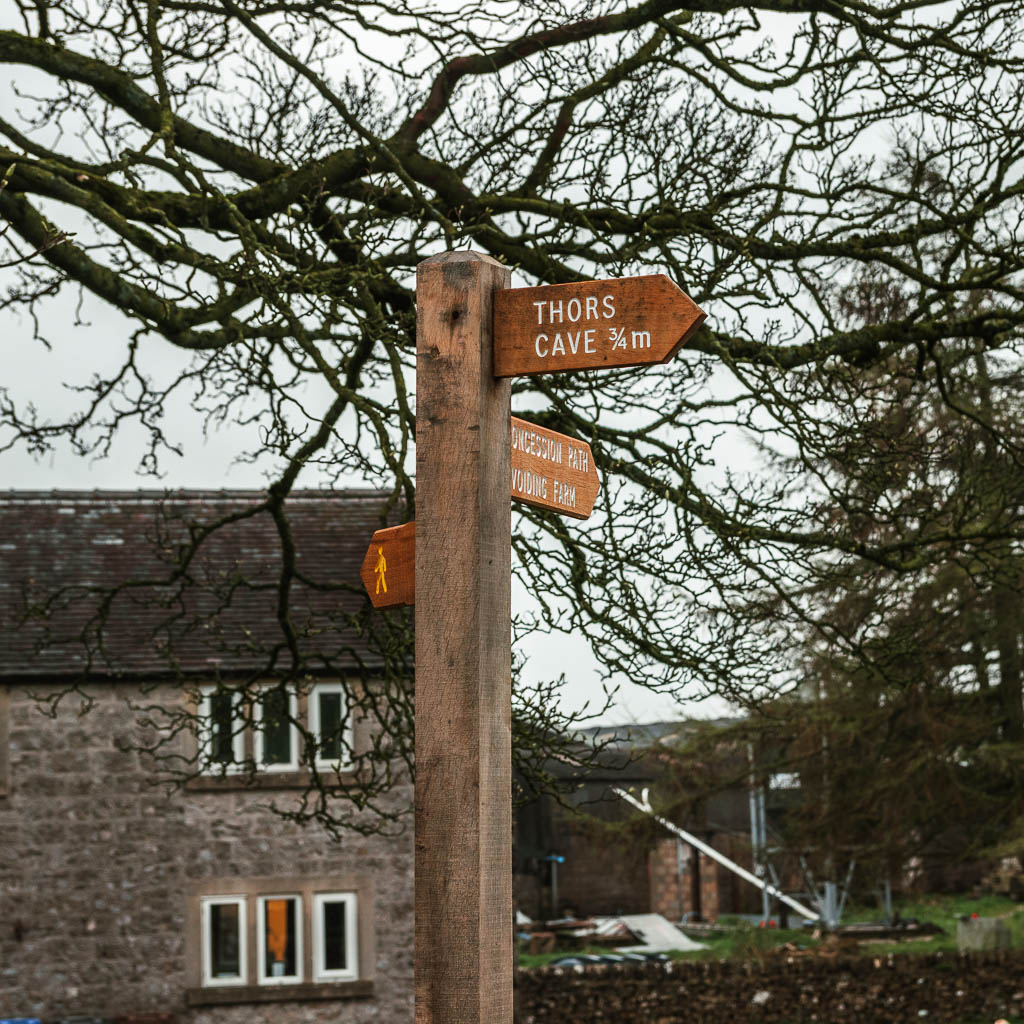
274,730
331,726
276,739
221,730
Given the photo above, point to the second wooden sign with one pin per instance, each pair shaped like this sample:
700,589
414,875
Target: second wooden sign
552,471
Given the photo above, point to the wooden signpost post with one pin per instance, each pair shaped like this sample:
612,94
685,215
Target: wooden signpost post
463,944
471,457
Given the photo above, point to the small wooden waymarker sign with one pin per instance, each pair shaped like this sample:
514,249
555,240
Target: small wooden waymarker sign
552,471
591,325
389,568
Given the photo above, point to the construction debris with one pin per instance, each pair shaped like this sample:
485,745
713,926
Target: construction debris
641,933
656,935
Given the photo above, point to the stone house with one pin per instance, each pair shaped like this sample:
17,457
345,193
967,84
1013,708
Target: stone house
145,864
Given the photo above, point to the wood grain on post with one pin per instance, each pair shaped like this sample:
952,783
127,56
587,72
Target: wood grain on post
463,953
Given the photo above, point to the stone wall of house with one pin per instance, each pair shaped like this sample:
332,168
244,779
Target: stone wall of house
95,862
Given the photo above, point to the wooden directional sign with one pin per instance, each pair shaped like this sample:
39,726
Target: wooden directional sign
389,568
552,471
591,325
549,470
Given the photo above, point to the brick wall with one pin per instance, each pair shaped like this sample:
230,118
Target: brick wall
95,860
669,893
670,879
936,989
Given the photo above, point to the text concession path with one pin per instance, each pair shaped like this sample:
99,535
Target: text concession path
552,471
591,325
389,568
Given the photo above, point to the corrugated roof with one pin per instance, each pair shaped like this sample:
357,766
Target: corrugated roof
223,620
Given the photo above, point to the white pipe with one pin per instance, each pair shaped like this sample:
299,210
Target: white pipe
715,855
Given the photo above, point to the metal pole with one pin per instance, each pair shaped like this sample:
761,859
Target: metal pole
680,863
762,829
554,886
755,835
716,856
829,906
845,890
759,835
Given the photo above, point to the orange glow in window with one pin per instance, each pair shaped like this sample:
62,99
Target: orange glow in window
277,928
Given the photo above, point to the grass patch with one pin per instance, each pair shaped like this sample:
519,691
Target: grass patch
943,910
747,942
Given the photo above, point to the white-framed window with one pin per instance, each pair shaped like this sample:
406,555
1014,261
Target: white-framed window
330,725
279,940
335,948
224,953
221,730
275,736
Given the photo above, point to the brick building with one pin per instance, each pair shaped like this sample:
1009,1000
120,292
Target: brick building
591,853
124,892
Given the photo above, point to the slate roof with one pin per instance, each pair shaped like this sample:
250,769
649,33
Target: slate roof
80,540
647,735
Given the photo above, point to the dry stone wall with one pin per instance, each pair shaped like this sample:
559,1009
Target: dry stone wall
899,990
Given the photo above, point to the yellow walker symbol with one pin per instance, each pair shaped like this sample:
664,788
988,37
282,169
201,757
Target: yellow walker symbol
399,565
380,569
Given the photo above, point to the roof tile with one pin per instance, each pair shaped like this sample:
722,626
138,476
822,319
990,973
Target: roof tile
76,543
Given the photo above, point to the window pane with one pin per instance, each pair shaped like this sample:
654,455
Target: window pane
279,938
277,733
221,728
330,726
225,960
335,951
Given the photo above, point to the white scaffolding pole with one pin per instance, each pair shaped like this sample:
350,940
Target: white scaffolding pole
711,852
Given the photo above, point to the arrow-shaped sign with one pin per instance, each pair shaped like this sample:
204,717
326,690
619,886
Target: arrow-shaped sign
591,325
549,470
552,471
389,568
